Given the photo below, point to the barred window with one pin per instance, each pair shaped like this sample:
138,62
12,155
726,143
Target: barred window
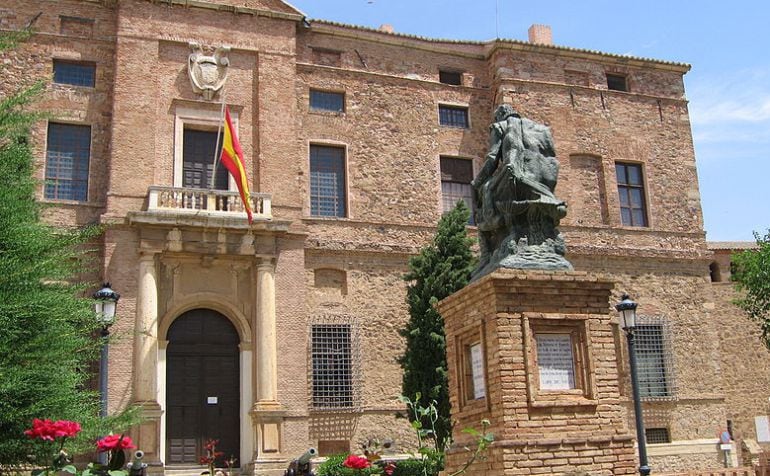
332,366
654,359
633,210
617,82
327,101
657,435
456,176
327,181
453,116
68,152
74,73
454,78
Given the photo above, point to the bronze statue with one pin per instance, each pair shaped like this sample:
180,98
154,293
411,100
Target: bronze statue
517,213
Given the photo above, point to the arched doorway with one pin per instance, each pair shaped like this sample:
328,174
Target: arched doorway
202,386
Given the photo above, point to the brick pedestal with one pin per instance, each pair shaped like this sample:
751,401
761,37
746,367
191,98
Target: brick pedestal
534,352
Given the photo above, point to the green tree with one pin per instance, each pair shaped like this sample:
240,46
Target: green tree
752,277
47,328
442,267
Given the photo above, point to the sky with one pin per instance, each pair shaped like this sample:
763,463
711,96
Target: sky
728,87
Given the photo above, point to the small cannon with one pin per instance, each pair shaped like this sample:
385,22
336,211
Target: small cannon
301,465
136,467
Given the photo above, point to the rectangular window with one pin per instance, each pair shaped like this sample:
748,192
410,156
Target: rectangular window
332,366
453,116
633,209
450,77
327,101
657,435
68,153
74,73
456,176
617,82
327,181
653,361
198,160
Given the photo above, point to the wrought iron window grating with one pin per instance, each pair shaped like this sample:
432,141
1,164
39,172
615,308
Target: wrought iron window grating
334,364
654,357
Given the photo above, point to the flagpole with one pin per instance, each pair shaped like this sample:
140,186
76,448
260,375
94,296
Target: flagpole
213,183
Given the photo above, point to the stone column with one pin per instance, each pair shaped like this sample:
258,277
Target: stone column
267,367
267,413
146,359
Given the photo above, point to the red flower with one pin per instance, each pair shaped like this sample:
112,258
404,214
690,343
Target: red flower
389,468
356,462
115,442
211,444
50,430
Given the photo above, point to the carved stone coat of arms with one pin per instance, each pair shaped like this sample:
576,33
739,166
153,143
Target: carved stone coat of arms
208,73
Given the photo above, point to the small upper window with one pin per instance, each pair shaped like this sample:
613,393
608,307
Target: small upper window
454,78
74,73
617,82
453,116
327,101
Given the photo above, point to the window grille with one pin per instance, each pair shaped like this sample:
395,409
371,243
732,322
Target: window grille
655,368
327,101
68,152
633,209
456,176
453,116
657,435
617,82
334,359
74,73
327,181
454,78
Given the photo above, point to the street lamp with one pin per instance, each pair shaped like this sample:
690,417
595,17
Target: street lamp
105,305
627,309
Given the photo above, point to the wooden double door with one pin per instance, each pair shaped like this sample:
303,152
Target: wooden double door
202,387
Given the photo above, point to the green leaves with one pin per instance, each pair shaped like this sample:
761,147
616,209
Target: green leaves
442,267
752,276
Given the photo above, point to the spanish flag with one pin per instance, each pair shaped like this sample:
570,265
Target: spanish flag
232,159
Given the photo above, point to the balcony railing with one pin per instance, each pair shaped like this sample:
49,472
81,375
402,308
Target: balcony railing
208,202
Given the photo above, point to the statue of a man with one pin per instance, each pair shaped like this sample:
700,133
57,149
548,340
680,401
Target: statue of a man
515,188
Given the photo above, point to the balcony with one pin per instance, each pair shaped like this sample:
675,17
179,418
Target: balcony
207,203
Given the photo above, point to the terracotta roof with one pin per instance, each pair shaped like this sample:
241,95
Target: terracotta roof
731,245
684,66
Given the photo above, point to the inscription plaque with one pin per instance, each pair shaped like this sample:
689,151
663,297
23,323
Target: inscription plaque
555,362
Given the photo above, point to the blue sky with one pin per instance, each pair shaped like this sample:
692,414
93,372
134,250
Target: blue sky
728,87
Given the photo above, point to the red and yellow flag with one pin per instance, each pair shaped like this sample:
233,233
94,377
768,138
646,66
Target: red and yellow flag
232,159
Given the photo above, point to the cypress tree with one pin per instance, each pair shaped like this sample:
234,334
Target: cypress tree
47,331
442,267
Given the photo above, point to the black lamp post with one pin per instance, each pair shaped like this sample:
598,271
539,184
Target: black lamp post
105,304
627,309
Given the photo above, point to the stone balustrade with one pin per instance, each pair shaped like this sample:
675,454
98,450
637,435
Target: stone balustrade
223,203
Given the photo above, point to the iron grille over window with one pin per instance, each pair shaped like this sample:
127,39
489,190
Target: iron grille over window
66,163
617,82
327,181
327,101
332,366
74,73
633,210
456,176
453,116
654,359
450,77
657,435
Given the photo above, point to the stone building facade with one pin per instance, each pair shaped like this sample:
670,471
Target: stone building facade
284,334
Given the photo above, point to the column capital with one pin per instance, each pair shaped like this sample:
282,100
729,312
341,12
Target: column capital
265,263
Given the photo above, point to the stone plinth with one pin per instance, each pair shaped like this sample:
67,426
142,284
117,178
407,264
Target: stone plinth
534,352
